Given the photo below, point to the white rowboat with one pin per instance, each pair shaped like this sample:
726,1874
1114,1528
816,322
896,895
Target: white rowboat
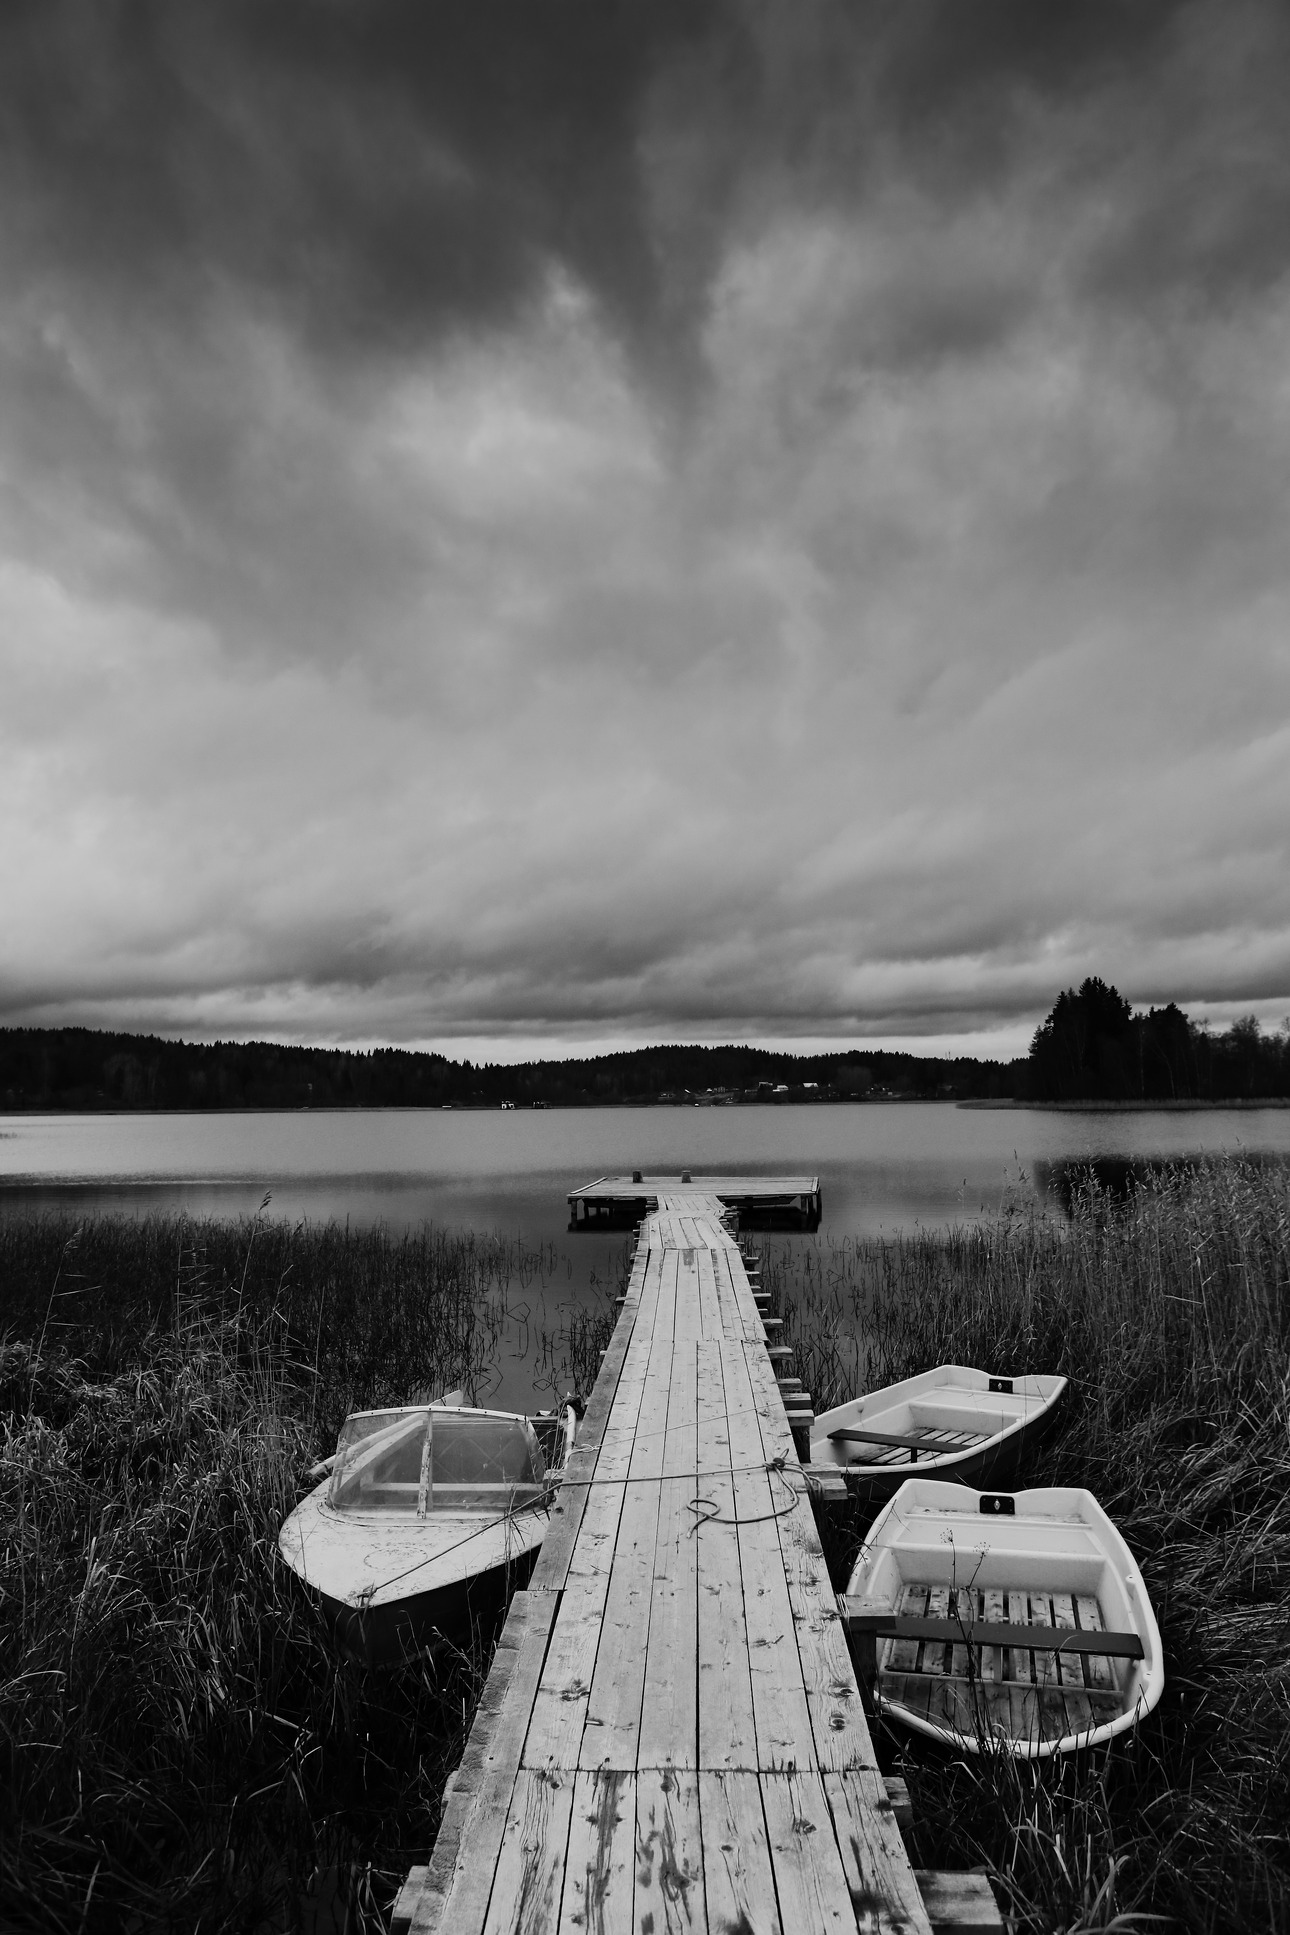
429,1516
950,1422
1018,1623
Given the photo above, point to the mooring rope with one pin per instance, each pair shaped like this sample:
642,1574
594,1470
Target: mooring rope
712,1515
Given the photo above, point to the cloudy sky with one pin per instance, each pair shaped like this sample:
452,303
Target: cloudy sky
582,523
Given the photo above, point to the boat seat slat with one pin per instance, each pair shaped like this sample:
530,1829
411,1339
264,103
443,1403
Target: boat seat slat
981,1632
1099,1673
851,1434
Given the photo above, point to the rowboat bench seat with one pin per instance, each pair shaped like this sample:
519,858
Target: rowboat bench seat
929,1438
1035,1661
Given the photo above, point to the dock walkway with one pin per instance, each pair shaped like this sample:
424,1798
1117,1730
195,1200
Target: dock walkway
672,1738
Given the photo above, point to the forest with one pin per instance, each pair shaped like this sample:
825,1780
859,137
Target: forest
1092,1047
85,1069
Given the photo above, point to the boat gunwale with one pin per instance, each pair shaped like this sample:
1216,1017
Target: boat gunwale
1110,1545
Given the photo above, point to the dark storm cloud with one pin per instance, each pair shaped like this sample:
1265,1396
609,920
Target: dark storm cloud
385,170
766,517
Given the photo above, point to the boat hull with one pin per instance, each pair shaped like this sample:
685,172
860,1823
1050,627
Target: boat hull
1048,1574
1006,1427
384,1635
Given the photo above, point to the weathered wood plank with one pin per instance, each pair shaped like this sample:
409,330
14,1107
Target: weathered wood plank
552,1566
599,1873
527,1886
840,1731
614,1708
959,1904
738,1881
689,1318
460,1871
785,1736
669,1855
1099,1672
709,1304
810,1880
727,1733
884,1895
670,1706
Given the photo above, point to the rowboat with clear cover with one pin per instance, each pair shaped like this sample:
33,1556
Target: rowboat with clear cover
428,1517
949,1422
1013,1621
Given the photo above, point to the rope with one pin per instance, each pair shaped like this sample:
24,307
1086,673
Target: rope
773,1468
477,1532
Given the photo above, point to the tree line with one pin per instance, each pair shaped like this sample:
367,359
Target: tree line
82,1068
1092,1047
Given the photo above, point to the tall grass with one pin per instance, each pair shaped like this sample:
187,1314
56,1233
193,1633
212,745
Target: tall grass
181,1743
1170,1314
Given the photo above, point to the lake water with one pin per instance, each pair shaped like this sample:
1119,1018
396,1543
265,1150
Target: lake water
883,1167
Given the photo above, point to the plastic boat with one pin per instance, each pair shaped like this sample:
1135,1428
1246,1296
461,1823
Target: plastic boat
428,1517
951,1422
1017,1622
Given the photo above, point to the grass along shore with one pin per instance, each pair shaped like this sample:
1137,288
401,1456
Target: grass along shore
182,1746
1170,1314
181,1743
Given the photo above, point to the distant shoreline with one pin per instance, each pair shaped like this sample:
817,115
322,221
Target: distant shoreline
1171,1107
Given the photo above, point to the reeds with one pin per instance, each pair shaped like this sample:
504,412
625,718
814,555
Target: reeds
1170,1314
182,1744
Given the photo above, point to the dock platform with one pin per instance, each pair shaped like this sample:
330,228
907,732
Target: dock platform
792,1202
672,1738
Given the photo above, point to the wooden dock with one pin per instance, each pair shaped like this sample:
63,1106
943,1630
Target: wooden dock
672,1738
792,1202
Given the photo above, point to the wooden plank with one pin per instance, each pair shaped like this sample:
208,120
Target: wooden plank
785,1736
839,1731
709,1305
962,1610
613,1721
738,1881
669,1855
987,1636
1098,1670
670,1706
1070,1669
959,1904
810,1880
525,1898
729,1275
1019,1661
552,1566
950,1704
885,1897
992,1614
689,1321
563,1697
460,1872
727,1733
902,1654
599,1869
914,1441
936,1651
